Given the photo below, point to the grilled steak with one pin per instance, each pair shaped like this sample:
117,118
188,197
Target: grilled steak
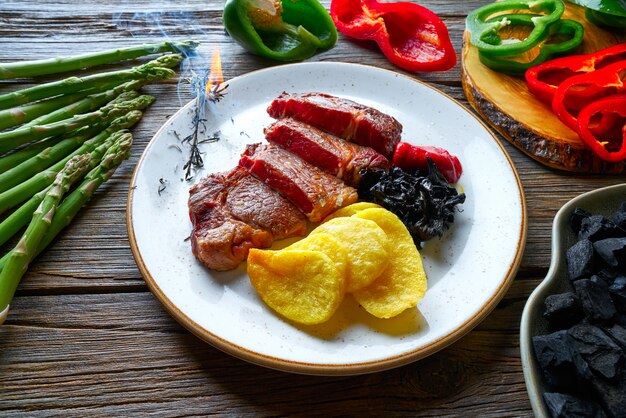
313,191
328,152
342,117
233,212
221,242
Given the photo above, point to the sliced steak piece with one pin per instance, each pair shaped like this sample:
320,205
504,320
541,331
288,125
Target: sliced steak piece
258,205
313,191
222,243
349,120
326,151
234,211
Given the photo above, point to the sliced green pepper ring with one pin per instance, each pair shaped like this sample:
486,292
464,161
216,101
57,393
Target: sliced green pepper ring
564,27
291,30
485,31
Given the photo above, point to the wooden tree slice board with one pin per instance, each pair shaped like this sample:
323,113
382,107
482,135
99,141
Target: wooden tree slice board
507,105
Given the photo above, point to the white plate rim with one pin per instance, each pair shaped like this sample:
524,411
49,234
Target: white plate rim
317,368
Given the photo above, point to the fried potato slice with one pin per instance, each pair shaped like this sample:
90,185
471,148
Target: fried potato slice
366,248
327,244
403,283
304,286
351,210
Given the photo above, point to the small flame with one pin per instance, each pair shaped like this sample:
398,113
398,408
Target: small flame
215,75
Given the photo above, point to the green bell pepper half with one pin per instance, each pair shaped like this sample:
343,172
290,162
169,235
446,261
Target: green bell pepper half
605,19
564,28
604,12
485,32
291,30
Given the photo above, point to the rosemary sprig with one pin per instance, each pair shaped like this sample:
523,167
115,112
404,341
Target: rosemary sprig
203,96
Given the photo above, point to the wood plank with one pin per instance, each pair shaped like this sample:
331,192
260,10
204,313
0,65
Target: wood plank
85,337
111,354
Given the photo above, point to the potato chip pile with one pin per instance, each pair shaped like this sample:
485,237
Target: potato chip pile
361,249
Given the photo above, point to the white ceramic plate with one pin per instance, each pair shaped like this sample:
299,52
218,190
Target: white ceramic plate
469,269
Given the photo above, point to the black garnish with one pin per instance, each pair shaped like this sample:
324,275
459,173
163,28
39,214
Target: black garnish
162,185
424,202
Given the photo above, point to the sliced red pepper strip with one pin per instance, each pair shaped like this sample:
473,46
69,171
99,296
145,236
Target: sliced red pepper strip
577,92
544,79
610,112
411,36
410,157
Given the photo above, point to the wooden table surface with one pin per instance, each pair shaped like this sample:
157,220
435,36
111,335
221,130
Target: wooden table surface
86,337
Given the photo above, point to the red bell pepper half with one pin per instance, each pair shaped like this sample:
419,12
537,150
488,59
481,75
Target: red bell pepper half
602,126
410,157
411,36
544,79
579,91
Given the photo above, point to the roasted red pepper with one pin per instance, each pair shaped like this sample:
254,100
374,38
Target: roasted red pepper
602,126
579,91
410,157
411,36
543,79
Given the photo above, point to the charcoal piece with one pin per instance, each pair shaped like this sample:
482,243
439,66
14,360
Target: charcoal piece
579,258
597,227
563,310
562,405
609,274
562,368
595,299
600,280
612,251
611,395
576,219
600,352
620,319
618,293
619,217
617,333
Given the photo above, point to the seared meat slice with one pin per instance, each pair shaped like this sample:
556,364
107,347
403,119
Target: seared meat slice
313,191
258,205
328,152
342,117
222,243
234,211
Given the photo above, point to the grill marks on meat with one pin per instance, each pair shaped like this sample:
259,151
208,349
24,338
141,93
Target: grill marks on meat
313,191
328,152
232,212
342,117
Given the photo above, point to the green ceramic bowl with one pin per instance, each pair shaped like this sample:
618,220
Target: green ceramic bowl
603,201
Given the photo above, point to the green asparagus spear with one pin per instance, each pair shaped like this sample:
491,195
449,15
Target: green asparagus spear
63,64
21,256
90,103
19,156
12,139
19,115
72,204
158,68
53,154
28,188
